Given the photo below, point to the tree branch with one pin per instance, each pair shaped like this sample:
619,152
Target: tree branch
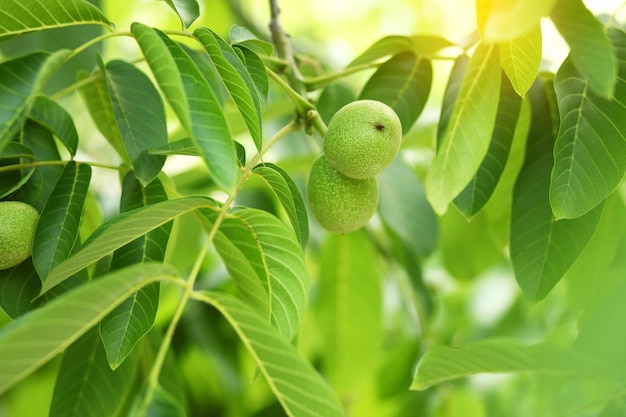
283,49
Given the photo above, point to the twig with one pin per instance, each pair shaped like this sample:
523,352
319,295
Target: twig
283,49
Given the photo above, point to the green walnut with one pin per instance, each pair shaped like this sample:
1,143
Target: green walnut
363,138
17,229
340,204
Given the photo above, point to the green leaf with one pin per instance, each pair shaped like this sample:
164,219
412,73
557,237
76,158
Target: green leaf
187,10
543,252
201,59
506,20
96,96
14,153
35,338
421,45
124,327
243,259
590,48
163,404
451,94
241,36
468,134
443,363
237,80
404,208
403,83
473,198
184,146
139,116
122,229
18,288
590,150
58,226
267,263
193,101
256,69
350,309
299,388
37,190
57,120
333,97
289,196
86,386
520,59
23,16
22,79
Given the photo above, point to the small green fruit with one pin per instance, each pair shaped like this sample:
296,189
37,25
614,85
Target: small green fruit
363,138
340,204
17,229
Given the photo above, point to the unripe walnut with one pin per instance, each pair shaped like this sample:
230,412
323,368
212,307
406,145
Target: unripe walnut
339,203
17,229
363,138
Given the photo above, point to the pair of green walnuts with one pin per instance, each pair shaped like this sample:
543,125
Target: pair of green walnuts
363,138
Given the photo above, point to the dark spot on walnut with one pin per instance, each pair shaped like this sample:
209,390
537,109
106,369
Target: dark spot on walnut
378,126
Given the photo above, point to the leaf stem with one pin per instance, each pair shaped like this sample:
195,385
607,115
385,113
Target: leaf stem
94,41
182,33
315,83
16,167
188,291
78,84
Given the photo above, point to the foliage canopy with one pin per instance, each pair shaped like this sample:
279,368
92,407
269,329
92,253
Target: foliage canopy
175,258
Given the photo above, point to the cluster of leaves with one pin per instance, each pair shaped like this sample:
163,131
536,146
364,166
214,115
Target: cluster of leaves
545,151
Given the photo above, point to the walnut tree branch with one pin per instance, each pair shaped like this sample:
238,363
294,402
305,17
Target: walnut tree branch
283,49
